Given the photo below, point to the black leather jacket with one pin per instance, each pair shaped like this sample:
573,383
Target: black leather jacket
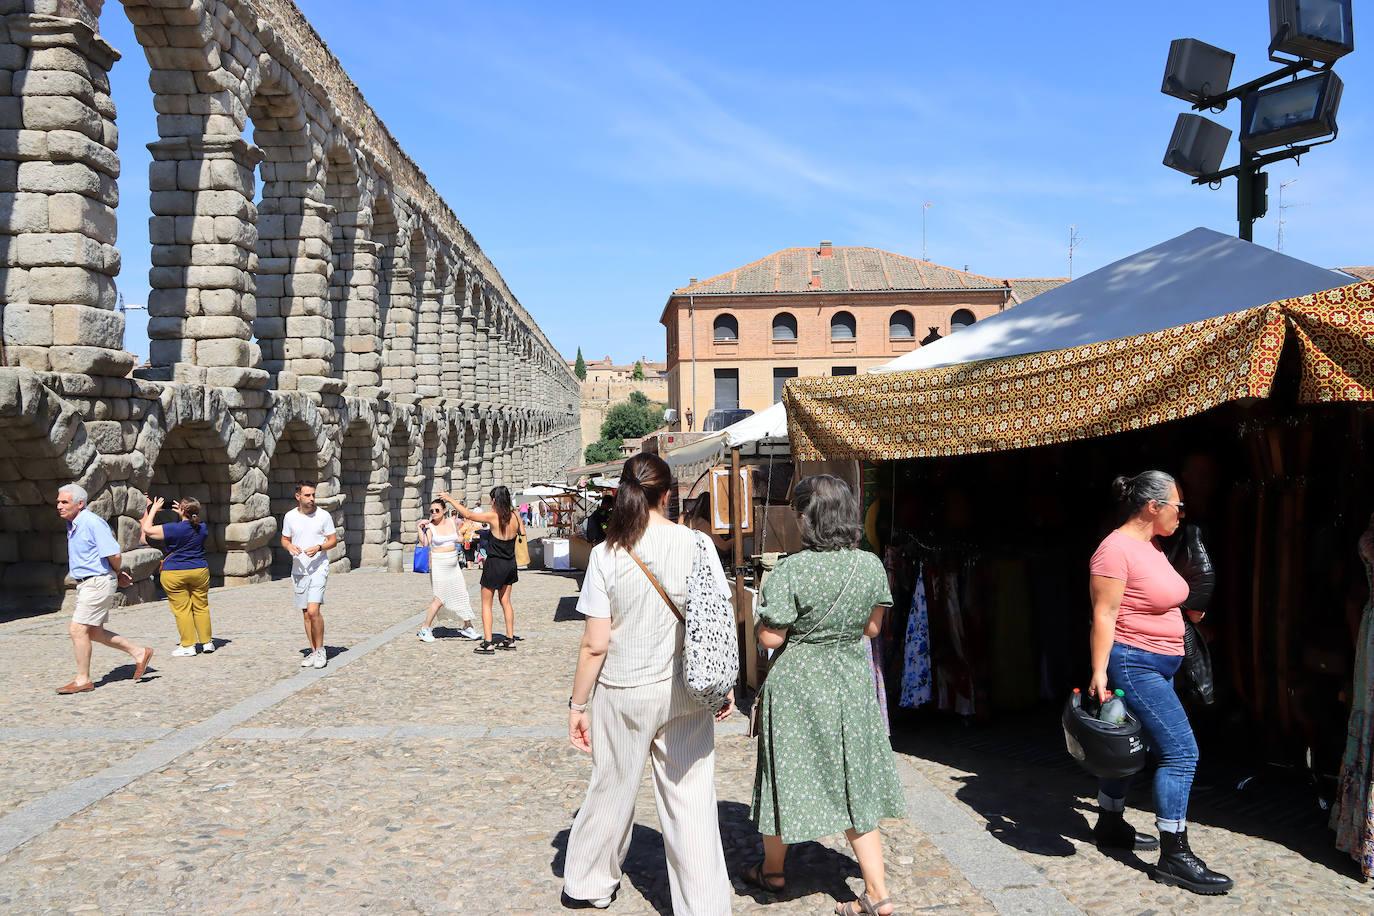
1186,552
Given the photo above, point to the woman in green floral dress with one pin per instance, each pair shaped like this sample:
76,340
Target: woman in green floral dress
824,762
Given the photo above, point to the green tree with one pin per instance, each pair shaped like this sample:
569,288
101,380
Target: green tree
638,374
580,367
626,420
639,399
603,450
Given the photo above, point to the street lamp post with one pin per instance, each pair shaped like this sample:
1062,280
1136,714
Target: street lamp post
1315,32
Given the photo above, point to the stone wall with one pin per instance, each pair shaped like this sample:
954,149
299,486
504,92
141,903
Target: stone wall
317,311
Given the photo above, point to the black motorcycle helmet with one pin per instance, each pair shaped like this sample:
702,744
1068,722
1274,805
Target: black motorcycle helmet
1104,750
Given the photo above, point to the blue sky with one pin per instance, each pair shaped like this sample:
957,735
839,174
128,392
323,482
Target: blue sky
602,154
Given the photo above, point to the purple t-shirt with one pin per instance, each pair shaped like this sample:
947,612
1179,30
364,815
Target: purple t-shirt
185,545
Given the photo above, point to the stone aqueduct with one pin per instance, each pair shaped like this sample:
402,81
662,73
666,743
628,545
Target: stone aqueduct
316,310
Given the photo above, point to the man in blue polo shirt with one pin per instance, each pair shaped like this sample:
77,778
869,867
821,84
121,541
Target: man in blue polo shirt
93,561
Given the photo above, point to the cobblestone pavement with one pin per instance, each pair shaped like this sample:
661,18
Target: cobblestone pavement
413,777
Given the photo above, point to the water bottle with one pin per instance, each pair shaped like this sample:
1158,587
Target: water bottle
1077,699
1114,710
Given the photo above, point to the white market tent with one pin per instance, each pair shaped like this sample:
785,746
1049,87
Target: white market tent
1198,275
701,454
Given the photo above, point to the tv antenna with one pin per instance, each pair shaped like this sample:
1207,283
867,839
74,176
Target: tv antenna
1075,240
1283,207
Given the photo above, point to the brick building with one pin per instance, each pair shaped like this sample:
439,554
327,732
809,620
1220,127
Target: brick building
735,339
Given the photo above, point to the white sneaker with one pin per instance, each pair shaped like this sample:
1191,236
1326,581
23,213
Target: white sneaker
468,632
321,659
425,635
207,647
308,660
184,651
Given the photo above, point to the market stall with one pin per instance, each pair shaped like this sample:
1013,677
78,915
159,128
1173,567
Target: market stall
987,458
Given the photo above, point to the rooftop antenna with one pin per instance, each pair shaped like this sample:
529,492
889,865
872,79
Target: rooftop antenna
1074,241
1283,218
924,207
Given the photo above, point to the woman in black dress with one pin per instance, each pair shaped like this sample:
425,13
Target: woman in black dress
499,572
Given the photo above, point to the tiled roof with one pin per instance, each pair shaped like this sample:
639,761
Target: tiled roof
1363,273
847,269
1030,287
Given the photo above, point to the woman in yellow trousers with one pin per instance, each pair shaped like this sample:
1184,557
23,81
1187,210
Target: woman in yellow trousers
185,572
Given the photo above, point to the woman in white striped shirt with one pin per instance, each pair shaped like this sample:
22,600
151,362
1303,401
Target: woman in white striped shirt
632,654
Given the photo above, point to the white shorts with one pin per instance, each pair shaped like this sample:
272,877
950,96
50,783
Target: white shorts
94,598
310,586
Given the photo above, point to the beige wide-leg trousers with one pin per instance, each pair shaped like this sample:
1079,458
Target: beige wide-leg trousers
660,723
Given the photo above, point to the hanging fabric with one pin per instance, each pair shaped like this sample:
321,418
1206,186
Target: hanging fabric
916,667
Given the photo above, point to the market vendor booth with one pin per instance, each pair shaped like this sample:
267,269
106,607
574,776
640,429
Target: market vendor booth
988,456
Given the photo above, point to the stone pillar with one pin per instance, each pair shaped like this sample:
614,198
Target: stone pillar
428,379
482,376
362,342
467,355
202,306
308,345
58,191
488,459
450,347
473,478
398,369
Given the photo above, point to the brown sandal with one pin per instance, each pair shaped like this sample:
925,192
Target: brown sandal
864,906
756,876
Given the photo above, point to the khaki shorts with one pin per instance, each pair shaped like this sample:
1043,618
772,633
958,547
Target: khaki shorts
94,599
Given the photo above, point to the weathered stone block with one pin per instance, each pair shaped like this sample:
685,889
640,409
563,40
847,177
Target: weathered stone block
65,249
28,325
87,326
77,213
60,113
70,285
203,328
223,352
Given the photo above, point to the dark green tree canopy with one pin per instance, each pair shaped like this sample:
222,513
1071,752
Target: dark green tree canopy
638,374
603,450
580,367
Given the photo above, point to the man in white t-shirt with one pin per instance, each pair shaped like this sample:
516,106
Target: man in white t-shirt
308,535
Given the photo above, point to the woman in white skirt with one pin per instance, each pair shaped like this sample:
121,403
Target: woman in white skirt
632,655
451,603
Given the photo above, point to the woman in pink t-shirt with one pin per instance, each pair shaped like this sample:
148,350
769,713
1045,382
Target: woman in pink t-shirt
1137,646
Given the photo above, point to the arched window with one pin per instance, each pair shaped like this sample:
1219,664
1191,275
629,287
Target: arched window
961,319
901,326
725,327
842,326
784,326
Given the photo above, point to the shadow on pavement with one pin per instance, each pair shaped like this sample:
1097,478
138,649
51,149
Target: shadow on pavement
566,610
1022,782
811,867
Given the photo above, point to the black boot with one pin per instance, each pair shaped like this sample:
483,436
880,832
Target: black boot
1179,867
1112,832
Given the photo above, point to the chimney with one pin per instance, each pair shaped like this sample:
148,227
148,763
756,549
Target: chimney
826,251
815,278
692,282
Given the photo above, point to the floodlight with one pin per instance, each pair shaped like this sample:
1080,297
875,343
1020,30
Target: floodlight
1197,146
1196,70
1319,30
1301,110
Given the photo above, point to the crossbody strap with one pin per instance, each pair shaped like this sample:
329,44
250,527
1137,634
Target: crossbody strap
653,580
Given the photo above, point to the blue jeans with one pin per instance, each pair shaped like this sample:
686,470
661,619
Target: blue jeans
1148,679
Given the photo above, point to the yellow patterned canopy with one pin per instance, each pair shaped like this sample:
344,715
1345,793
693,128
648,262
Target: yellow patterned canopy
1091,390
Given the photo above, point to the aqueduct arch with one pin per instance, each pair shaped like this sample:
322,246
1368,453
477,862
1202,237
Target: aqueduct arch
311,295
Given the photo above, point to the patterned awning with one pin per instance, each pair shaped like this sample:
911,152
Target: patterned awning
1088,391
